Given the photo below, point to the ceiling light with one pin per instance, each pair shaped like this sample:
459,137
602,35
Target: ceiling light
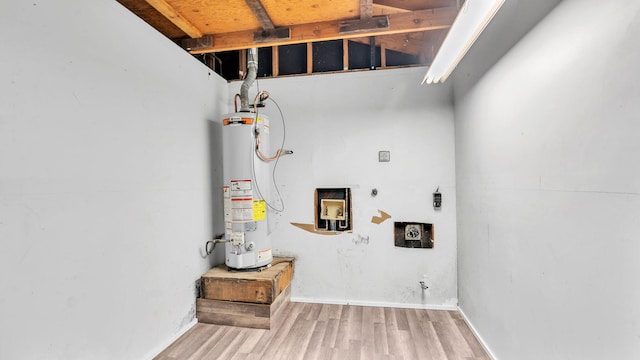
472,18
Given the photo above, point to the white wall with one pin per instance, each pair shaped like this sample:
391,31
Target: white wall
548,183
336,124
105,181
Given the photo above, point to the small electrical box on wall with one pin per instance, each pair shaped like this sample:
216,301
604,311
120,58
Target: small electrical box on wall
413,235
333,209
437,199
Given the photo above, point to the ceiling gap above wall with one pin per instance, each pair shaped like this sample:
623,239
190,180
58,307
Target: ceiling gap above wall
405,32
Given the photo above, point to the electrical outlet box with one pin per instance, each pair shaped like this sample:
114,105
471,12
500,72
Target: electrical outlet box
437,200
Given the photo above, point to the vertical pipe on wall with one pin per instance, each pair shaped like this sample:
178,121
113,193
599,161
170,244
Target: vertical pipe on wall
252,69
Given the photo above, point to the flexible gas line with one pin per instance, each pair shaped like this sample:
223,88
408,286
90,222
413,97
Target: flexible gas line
212,243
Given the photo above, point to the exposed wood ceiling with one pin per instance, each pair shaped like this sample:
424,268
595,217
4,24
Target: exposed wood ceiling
415,27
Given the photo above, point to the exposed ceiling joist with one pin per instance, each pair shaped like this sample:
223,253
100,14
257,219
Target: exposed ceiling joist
172,15
398,42
363,25
270,36
379,9
366,9
261,14
197,43
415,4
422,20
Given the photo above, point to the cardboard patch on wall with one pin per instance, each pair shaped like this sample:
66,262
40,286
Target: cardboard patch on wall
312,229
380,219
335,205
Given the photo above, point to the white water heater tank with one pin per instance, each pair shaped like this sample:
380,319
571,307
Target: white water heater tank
246,186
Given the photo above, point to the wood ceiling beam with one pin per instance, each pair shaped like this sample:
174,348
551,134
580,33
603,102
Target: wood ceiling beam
398,43
362,25
345,54
421,20
366,9
416,4
379,9
261,14
172,15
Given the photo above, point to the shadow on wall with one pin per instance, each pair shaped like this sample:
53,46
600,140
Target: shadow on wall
215,176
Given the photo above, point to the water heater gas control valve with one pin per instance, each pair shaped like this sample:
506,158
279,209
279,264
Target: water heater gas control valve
237,238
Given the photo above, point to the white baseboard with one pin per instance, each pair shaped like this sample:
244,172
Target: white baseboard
477,335
175,337
374,304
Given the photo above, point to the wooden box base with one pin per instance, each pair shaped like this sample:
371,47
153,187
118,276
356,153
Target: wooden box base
261,287
258,316
248,299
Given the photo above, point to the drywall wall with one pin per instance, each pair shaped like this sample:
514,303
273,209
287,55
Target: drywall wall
336,124
548,189
106,173
514,19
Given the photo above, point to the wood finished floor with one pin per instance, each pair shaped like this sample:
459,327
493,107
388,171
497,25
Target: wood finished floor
341,332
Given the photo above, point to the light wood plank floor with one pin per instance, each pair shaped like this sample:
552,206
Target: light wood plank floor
341,332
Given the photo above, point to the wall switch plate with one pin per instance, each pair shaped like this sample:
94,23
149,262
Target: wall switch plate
384,156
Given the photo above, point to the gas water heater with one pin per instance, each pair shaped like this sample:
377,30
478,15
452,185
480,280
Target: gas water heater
246,188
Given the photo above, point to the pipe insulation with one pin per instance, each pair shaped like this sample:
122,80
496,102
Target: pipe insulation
252,70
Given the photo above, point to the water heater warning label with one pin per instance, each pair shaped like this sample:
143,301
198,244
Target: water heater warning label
259,210
242,215
241,188
238,198
264,255
227,203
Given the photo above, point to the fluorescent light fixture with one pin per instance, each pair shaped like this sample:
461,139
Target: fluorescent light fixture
472,18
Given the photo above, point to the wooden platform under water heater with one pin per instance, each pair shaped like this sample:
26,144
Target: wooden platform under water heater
245,298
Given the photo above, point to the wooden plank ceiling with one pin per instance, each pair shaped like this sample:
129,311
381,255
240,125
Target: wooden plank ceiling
414,27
